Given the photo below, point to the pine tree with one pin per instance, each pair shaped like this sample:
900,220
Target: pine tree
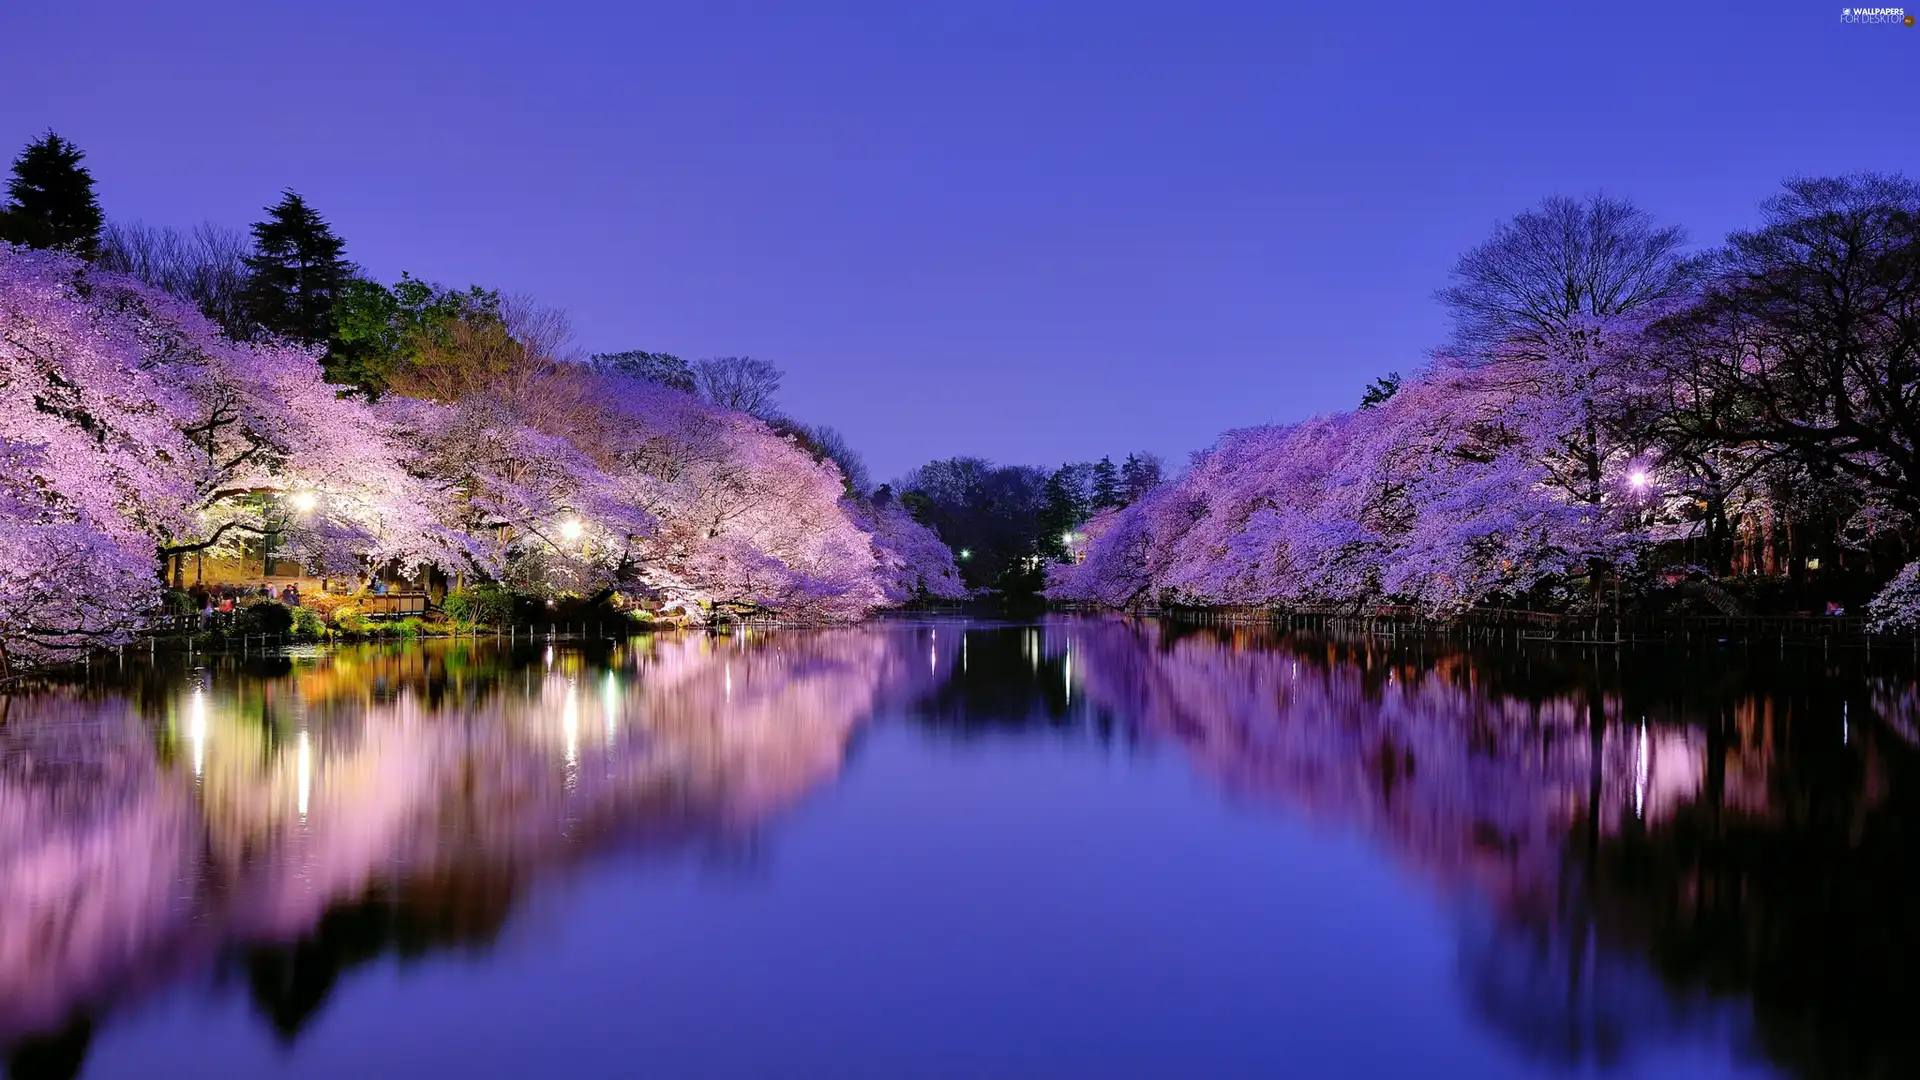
50,201
296,271
1106,484
1063,509
1139,474
1380,390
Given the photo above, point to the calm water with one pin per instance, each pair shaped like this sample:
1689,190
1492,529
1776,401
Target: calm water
1080,848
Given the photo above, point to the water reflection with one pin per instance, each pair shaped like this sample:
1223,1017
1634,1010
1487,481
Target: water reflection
1714,847
1636,851
290,818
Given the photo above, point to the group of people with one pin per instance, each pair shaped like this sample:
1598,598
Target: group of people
209,599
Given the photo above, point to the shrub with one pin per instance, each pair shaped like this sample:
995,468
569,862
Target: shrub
483,604
348,619
308,624
259,615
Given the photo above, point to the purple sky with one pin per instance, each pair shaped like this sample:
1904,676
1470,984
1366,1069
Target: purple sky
1028,231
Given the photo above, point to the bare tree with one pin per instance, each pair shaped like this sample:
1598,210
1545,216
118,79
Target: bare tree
546,332
834,445
741,383
205,266
1560,261
1808,340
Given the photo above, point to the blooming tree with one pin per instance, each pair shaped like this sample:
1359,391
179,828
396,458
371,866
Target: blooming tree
914,562
65,587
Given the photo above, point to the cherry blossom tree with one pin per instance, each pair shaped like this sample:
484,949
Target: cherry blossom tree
1474,480
914,562
158,430
65,588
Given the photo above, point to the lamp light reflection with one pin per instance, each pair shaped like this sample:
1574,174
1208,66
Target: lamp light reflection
1640,773
197,729
610,704
570,725
303,777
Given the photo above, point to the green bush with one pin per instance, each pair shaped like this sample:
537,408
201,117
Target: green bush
487,605
308,624
458,606
348,619
409,627
259,615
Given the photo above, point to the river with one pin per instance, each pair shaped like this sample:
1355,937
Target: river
1079,847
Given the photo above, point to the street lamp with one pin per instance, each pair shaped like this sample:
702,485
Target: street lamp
1639,479
304,501
965,554
570,529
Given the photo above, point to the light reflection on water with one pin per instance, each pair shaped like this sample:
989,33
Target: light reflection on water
1642,866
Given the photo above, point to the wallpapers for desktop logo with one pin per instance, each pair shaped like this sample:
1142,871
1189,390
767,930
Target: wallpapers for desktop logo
1881,16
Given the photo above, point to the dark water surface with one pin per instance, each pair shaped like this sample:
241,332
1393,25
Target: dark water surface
929,849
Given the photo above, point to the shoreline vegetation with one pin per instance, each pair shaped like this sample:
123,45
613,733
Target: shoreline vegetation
1622,429
173,406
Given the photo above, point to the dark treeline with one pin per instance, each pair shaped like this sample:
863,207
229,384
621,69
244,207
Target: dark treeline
1007,523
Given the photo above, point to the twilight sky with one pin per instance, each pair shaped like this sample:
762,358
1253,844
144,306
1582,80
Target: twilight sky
1028,231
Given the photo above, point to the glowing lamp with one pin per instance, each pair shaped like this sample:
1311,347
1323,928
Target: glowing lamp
1639,479
570,529
304,501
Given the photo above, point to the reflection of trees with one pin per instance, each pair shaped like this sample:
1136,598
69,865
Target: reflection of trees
1658,843
94,837
1799,896
306,817
1663,848
57,1055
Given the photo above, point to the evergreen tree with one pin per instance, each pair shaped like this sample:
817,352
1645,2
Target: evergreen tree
378,333
1106,485
655,367
1063,509
1139,474
50,201
297,270
1380,390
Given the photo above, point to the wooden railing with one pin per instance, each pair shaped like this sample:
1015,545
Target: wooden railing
387,605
